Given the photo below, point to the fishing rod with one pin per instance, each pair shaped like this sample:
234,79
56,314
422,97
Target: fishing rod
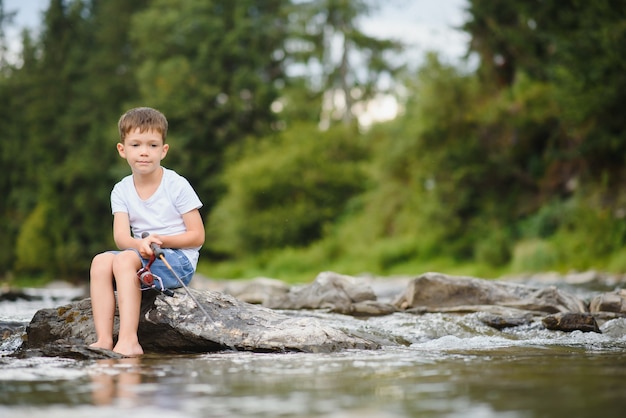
158,253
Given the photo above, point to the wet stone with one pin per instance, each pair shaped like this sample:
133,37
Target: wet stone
502,322
569,322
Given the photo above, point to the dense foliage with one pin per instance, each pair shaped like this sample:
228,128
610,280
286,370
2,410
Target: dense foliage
517,164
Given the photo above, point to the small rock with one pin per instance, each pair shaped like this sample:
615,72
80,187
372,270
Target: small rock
502,322
609,302
13,295
569,322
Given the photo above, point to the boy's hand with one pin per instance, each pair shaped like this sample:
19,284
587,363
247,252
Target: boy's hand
146,246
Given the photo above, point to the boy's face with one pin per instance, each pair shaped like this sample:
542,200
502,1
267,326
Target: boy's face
143,151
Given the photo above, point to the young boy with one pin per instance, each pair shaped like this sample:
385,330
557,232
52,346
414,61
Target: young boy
152,200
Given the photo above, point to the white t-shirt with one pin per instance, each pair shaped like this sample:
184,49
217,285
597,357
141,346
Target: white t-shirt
162,213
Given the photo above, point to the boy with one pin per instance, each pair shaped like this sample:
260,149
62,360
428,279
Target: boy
152,199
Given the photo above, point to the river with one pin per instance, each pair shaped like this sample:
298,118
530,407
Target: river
432,365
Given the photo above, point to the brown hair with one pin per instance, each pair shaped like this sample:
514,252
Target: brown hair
144,118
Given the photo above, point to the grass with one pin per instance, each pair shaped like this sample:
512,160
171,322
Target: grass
290,268
20,282
560,253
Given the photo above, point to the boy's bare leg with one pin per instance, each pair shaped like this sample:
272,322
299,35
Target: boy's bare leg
125,268
102,299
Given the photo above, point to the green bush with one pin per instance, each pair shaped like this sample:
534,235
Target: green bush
285,191
617,262
581,237
545,222
33,247
534,255
588,236
494,249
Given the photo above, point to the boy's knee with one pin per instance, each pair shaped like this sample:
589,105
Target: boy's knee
102,260
101,267
126,260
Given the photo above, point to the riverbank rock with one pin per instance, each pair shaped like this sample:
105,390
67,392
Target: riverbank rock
334,292
609,302
501,322
569,322
436,292
177,324
574,278
12,295
9,328
261,290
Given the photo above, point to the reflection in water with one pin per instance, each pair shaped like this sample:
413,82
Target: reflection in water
577,377
115,380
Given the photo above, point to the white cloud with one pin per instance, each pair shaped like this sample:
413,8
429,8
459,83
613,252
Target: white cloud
28,14
423,25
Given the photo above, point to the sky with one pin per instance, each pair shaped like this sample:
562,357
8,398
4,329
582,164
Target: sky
422,24
28,11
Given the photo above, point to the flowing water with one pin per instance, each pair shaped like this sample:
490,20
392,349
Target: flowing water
432,365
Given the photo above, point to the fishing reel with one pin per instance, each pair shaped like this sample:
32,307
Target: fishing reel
150,280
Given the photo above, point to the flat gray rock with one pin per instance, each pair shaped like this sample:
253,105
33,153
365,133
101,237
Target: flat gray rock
177,324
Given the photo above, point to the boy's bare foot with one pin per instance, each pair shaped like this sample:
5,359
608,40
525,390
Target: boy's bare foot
103,345
128,349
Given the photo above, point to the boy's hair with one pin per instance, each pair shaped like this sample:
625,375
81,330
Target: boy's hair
144,118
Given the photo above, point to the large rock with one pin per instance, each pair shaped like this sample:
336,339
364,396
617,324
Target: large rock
435,292
177,324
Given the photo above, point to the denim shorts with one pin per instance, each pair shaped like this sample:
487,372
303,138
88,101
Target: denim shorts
177,261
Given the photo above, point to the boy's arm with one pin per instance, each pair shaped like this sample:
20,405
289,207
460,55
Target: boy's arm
122,236
192,237
124,240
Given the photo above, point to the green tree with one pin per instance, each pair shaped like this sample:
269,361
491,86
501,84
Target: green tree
7,228
344,64
576,47
6,19
67,97
215,72
552,81
430,165
39,87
